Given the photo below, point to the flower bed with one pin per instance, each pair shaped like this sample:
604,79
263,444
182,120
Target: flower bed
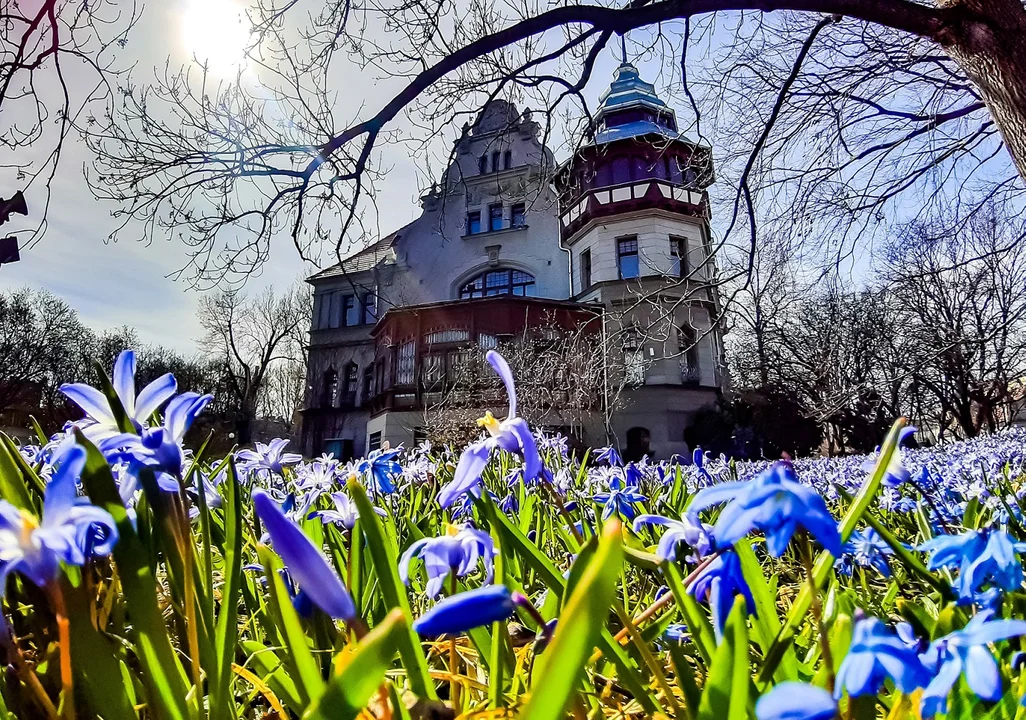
145,580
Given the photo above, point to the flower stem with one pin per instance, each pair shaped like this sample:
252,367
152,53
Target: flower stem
817,612
64,644
454,686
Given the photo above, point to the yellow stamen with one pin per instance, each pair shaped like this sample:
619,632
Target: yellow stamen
28,524
489,423
451,530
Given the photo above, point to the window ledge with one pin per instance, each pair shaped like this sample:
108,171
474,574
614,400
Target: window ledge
493,233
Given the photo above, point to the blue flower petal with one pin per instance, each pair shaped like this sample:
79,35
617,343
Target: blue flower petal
304,560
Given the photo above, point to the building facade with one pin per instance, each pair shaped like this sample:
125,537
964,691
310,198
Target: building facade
615,240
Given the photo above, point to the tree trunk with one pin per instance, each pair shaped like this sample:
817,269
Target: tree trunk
988,41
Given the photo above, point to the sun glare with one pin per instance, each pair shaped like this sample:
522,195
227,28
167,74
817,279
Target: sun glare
215,33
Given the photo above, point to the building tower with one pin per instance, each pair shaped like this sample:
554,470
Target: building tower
634,218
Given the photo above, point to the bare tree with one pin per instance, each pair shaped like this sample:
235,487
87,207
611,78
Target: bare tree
40,348
959,305
565,379
57,59
248,337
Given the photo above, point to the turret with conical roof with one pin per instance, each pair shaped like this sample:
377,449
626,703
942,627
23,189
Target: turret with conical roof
634,219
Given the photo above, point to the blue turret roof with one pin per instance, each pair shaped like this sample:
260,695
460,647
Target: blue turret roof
628,94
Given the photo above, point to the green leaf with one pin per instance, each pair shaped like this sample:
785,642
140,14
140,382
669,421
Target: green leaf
823,567
302,666
386,564
360,672
94,660
725,695
765,622
164,675
222,703
266,663
13,487
694,616
563,665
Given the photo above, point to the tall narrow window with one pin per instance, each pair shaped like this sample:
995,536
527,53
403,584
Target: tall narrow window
482,164
370,308
495,161
690,373
495,217
517,216
336,309
324,319
367,391
585,269
473,222
627,257
329,388
405,366
679,256
349,380
507,160
633,359
350,312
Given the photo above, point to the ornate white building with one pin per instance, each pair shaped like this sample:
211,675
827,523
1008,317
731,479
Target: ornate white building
507,240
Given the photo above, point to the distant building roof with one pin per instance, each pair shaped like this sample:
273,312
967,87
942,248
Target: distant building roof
635,129
380,252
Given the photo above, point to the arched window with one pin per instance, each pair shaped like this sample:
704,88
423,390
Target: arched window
482,164
329,388
495,161
506,281
507,160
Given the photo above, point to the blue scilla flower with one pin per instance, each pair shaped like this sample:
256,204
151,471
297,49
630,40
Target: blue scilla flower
688,530
270,458
875,654
773,502
466,611
796,701
159,448
987,562
896,473
698,460
71,529
304,560
867,549
719,583
609,456
512,435
381,466
344,513
966,651
99,422
458,551
620,499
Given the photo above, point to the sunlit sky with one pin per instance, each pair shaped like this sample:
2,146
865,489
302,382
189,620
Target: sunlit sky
129,282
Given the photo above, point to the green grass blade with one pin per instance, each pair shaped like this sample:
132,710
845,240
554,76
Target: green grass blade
164,675
360,672
303,667
226,633
386,564
725,695
825,561
563,665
